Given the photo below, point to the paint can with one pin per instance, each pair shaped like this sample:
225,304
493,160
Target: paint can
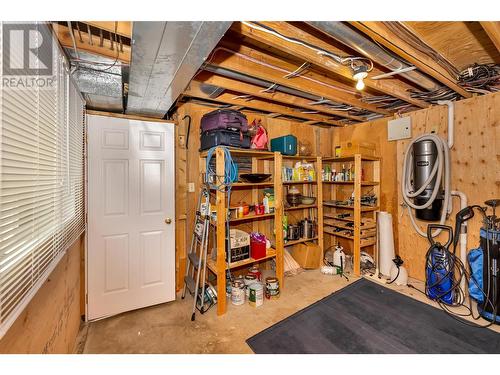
249,280
254,270
237,293
256,295
272,288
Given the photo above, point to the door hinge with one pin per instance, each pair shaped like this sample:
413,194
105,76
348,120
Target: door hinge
86,299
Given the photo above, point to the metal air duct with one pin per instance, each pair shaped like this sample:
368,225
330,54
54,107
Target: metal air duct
351,38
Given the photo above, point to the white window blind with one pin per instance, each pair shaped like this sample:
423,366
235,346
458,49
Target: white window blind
41,184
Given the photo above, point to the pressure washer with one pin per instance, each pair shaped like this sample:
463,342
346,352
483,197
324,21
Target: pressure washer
445,271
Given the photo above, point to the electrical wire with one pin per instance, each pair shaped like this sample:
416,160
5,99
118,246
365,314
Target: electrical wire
344,60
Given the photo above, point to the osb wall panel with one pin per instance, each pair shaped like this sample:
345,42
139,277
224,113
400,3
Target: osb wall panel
50,322
188,164
475,159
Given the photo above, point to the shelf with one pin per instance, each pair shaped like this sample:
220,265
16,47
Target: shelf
271,253
302,240
250,217
244,152
346,219
294,157
251,184
298,182
349,158
363,208
369,241
366,226
301,207
363,183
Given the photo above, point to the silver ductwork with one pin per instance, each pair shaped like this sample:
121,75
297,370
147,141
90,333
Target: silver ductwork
165,57
356,41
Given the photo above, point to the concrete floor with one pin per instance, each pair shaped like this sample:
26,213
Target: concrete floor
167,328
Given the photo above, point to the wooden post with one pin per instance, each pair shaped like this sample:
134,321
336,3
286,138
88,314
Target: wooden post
221,236
319,202
278,217
357,215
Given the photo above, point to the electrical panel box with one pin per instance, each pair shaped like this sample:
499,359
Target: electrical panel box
399,128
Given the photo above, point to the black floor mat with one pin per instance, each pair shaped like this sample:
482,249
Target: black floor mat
366,317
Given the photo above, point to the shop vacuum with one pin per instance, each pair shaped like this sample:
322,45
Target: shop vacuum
444,270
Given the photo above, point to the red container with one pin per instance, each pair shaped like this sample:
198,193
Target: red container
257,249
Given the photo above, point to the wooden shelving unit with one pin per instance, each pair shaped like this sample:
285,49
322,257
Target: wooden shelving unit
303,210
363,236
262,162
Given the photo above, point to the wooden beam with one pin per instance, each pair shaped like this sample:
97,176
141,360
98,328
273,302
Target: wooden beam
492,28
195,91
64,36
312,56
381,34
123,28
256,91
255,63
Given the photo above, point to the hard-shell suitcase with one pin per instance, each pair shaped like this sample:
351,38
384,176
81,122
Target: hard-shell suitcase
224,138
224,119
286,145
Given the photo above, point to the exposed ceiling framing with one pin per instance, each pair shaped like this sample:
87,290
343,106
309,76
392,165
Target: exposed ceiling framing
299,70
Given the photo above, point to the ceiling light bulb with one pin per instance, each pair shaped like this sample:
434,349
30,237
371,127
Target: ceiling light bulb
360,85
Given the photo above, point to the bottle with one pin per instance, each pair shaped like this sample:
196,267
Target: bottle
342,176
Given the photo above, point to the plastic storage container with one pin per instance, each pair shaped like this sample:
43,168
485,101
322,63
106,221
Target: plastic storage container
286,145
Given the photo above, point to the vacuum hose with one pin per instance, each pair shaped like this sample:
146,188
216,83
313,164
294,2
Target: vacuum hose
442,166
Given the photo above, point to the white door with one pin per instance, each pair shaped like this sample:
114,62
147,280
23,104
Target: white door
131,244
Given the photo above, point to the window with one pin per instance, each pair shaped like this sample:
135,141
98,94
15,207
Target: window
41,184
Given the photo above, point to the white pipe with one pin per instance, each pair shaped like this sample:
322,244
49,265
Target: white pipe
463,233
451,120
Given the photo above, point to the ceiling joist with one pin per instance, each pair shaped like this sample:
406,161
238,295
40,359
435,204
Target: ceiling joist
260,65
258,92
492,29
194,90
92,44
314,57
381,34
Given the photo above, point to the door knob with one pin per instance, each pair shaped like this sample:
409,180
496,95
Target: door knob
168,220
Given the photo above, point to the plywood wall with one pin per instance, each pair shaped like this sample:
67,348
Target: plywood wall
188,167
475,165
50,323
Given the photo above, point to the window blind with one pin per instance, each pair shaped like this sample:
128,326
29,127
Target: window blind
41,183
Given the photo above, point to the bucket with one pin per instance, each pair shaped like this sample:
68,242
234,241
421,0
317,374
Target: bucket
249,280
256,295
272,288
238,293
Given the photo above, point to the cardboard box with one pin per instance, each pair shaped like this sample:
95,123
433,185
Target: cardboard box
307,254
350,148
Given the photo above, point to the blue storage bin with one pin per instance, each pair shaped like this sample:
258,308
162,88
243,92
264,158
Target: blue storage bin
286,145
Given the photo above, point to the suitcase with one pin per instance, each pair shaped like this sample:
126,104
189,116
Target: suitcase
286,145
224,119
224,138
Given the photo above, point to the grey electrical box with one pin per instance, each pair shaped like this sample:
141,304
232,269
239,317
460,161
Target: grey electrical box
399,128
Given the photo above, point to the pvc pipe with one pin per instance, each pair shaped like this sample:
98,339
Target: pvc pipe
463,232
451,120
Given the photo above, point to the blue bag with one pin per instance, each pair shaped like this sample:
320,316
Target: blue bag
475,259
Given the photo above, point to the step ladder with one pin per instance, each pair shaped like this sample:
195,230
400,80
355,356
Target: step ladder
196,266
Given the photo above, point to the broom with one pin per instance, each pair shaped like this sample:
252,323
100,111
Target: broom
291,267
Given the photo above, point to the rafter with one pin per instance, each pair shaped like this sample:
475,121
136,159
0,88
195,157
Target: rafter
252,62
380,33
64,36
123,28
492,29
194,90
312,56
257,91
